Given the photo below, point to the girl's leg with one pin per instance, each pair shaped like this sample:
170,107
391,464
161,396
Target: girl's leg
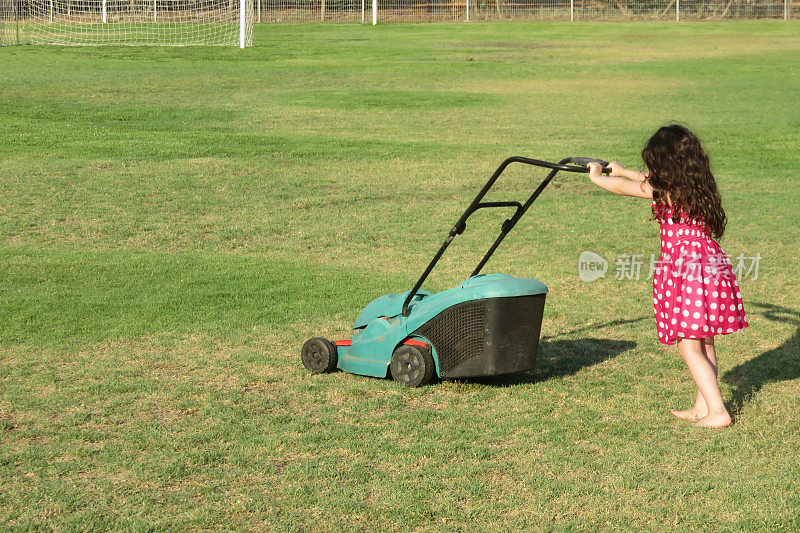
700,409
711,356
705,376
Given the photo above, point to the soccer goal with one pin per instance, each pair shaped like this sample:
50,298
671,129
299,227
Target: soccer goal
127,22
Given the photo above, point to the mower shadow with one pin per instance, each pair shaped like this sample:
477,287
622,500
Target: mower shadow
562,358
595,327
779,364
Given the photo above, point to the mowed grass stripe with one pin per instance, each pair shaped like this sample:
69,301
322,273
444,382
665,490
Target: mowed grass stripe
73,297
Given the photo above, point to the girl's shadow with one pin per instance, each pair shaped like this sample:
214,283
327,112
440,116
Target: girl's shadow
779,364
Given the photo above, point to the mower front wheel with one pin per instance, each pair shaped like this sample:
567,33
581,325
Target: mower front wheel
319,355
412,365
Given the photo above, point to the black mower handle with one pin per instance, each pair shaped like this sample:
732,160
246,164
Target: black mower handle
570,164
584,162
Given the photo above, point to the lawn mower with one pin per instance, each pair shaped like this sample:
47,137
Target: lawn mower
487,325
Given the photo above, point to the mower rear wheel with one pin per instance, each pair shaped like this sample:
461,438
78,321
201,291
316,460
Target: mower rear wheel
412,365
319,355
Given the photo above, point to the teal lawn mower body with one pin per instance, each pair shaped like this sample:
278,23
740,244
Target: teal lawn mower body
487,325
451,324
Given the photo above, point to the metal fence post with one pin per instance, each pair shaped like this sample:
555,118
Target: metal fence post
15,5
677,10
571,10
374,12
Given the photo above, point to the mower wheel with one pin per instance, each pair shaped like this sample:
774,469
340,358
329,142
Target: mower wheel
412,365
319,355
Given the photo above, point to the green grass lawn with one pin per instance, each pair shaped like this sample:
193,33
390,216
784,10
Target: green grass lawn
175,222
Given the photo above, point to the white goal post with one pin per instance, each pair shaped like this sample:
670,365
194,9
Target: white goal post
127,22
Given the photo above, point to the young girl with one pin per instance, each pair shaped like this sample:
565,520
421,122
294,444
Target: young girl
695,293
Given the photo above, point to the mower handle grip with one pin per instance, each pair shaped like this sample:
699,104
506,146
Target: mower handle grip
583,163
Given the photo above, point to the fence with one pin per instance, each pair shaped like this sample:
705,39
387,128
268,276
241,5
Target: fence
480,10
183,22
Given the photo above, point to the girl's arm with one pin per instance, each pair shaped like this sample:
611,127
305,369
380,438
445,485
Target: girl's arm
617,185
618,171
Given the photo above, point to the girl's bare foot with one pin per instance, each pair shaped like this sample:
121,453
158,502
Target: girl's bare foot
720,420
698,411
688,414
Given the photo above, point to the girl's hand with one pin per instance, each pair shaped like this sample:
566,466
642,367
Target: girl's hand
617,170
618,184
595,171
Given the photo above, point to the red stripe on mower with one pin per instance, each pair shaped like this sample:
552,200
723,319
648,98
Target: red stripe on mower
347,342
415,342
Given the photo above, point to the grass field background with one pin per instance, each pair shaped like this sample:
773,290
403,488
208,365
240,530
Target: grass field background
175,222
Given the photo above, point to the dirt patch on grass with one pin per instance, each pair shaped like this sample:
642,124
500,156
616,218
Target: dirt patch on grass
521,44
8,417
506,44
552,85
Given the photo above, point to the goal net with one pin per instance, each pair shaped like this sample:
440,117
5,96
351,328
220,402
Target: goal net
127,22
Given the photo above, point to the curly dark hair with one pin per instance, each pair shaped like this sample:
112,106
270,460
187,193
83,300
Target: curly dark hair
680,176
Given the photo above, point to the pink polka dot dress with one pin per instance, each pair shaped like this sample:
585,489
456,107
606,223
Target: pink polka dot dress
695,293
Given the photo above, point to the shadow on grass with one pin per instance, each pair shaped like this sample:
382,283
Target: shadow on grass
566,357
593,327
779,364
562,358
